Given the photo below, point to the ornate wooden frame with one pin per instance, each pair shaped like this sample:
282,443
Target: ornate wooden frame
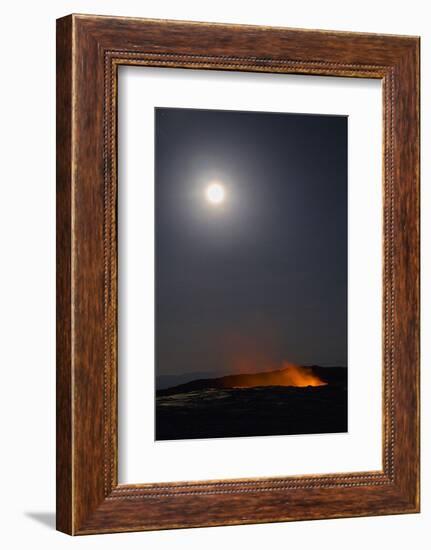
89,51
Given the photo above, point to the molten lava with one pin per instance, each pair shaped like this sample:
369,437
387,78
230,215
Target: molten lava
289,375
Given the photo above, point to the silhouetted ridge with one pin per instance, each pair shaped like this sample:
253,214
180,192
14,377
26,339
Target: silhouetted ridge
328,375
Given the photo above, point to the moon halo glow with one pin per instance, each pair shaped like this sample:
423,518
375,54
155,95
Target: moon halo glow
215,193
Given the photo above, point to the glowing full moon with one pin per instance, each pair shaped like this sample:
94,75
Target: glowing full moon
215,193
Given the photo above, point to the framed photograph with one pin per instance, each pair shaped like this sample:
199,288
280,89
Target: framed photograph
237,274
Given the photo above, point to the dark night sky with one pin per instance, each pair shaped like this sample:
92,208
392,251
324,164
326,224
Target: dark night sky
261,278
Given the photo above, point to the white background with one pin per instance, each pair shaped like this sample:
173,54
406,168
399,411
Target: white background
141,458
27,208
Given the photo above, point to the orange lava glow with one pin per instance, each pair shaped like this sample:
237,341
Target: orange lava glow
288,375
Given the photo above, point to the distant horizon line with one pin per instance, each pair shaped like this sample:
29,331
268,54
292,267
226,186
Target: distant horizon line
227,373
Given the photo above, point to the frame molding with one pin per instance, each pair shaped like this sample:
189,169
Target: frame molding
89,51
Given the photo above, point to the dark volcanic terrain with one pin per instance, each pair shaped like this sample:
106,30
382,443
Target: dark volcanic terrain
232,406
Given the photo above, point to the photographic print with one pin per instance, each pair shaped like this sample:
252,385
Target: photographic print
251,273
